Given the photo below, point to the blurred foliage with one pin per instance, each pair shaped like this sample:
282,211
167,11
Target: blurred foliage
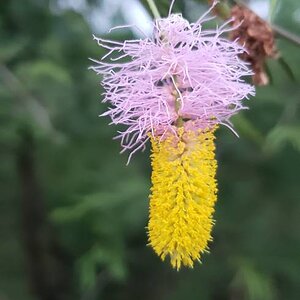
96,207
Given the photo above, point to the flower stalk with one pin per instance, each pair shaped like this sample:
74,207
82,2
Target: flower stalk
154,9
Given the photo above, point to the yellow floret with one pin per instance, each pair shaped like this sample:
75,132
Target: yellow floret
183,194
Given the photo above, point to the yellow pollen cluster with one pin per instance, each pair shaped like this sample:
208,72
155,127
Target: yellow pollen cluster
183,194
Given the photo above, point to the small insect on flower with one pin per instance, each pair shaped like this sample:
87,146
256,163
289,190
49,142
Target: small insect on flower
175,88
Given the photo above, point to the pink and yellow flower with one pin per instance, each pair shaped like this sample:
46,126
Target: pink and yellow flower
175,88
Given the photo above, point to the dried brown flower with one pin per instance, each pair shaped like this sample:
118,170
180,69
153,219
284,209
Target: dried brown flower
257,37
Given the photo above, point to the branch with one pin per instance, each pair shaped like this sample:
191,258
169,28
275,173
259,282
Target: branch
38,112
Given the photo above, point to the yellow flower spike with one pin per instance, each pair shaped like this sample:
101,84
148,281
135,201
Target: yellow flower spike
183,194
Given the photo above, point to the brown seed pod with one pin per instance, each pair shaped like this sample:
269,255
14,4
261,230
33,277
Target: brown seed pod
257,37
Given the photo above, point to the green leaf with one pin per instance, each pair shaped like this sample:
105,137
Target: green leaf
282,135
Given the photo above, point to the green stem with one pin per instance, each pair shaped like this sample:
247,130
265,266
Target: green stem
223,10
154,9
179,122
273,5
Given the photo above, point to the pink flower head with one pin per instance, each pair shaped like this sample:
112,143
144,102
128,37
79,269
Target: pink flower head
182,71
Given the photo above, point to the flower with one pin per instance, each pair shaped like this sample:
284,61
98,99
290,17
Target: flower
183,195
175,88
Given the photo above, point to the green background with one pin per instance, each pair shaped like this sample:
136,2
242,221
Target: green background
73,215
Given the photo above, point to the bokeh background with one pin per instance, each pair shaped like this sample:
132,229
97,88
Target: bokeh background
73,215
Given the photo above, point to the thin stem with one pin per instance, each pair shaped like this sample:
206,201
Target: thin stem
286,34
223,10
39,113
154,9
273,4
178,102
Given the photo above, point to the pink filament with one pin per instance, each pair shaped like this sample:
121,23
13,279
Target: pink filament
201,67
